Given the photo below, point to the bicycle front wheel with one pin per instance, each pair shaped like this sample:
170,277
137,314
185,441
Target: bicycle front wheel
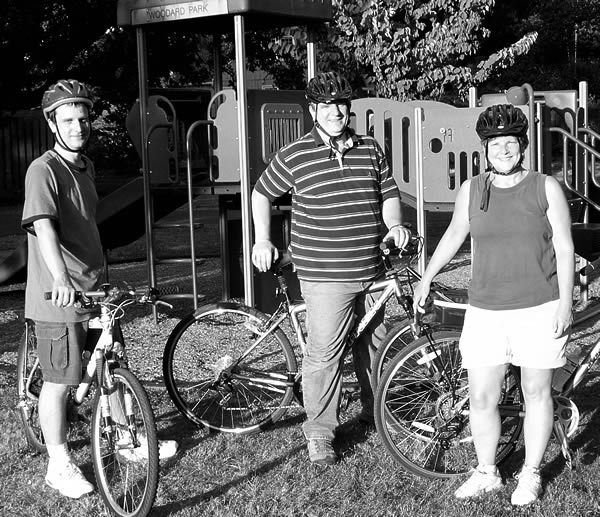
395,340
125,454
422,409
29,385
224,373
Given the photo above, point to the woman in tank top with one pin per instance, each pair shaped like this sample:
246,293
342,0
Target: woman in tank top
520,296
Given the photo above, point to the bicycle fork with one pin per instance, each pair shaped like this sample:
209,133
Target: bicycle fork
116,409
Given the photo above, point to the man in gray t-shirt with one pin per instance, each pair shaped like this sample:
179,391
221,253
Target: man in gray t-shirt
64,255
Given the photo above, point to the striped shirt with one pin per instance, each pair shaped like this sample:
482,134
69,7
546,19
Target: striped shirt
337,224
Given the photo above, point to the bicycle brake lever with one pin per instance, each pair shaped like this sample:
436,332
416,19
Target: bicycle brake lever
160,302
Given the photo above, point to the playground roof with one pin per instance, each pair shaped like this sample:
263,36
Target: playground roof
257,13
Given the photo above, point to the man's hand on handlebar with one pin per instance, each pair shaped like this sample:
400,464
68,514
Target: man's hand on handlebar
399,234
63,292
264,254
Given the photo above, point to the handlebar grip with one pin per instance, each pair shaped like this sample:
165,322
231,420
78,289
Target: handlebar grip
410,248
48,295
590,268
168,291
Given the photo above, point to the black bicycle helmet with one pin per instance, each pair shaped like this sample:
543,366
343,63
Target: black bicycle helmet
329,87
502,120
63,92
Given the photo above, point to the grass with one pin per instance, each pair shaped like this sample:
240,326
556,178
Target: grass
269,473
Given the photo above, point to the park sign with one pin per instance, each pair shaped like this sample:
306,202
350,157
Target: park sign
143,12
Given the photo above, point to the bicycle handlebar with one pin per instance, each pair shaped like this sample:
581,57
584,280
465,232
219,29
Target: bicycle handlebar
109,293
412,247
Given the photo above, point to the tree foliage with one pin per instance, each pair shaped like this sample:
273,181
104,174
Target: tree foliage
401,49
568,47
405,49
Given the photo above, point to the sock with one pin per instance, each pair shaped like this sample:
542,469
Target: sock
533,470
59,455
487,469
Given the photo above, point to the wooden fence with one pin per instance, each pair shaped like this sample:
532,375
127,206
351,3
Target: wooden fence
23,137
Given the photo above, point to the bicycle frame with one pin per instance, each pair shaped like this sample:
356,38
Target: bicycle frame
388,287
97,360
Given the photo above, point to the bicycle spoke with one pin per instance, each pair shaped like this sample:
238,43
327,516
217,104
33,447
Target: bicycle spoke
421,409
224,372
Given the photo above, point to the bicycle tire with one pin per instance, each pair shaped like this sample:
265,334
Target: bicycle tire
28,367
395,340
217,380
127,477
421,409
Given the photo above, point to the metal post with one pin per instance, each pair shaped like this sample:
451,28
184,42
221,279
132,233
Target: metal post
218,82
240,66
582,105
420,190
533,144
311,56
472,97
143,94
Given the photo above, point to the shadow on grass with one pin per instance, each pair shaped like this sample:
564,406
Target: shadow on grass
191,502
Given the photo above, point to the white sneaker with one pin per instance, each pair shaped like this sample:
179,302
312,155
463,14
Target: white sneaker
529,487
69,481
480,482
166,449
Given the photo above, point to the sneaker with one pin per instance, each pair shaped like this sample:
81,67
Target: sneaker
69,481
320,451
166,449
480,482
529,487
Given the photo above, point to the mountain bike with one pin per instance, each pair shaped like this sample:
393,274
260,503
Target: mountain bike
422,404
232,368
124,443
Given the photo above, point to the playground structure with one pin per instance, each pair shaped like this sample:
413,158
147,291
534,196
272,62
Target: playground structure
218,141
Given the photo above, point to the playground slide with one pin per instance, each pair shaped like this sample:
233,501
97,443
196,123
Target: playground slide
121,221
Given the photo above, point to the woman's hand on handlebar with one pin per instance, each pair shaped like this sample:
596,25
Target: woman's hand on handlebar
420,294
264,254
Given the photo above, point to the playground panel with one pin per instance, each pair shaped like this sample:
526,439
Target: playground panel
451,151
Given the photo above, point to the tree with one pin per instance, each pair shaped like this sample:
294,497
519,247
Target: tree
406,49
568,47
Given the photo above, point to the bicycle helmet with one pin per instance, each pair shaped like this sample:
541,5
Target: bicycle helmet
329,87
63,92
502,120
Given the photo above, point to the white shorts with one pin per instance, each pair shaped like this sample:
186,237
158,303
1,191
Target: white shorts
522,337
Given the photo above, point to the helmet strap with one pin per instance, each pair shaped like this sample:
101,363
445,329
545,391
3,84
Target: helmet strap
61,142
332,139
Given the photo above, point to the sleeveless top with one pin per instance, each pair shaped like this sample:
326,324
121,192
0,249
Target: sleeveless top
514,265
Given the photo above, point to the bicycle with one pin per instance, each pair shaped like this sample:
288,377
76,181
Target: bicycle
422,404
124,443
231,368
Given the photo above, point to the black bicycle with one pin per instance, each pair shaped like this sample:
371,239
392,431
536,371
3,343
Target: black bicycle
422,404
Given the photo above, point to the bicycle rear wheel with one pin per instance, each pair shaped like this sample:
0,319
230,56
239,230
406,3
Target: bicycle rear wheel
422,407
223,373
125,455
29,385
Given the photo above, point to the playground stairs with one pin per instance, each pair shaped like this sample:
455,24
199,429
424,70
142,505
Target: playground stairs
586,235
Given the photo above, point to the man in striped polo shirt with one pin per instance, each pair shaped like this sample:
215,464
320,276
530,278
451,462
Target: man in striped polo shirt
344,200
